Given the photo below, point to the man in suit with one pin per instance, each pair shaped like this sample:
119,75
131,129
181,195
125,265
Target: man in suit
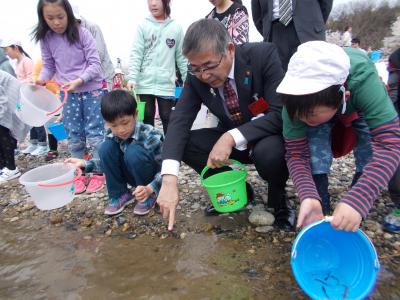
289,23
227,79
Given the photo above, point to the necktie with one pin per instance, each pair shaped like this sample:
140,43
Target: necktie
232,103
285,11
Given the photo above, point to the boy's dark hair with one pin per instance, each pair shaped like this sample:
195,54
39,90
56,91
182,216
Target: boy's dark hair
72,32
355,41
116,104
167,8
300,106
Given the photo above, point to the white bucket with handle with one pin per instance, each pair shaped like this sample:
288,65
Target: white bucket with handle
37,105
51,186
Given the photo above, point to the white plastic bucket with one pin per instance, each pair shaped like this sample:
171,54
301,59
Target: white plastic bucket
37,105
50,186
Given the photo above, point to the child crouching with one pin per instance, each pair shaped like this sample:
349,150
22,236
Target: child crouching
130,154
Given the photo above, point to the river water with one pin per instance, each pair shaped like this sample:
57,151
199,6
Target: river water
41,261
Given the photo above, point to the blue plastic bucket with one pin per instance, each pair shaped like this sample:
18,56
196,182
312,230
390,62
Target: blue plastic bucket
334,264
375,55
178,91
58,130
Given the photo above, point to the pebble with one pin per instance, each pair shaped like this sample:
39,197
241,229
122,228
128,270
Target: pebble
387,236
261,218
87,222
120,220
131,235
264,229
56,219
108,232
14,219
125,227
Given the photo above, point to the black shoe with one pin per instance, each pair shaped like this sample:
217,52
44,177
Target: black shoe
285,219
210,210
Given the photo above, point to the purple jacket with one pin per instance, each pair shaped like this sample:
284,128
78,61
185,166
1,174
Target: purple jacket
71,61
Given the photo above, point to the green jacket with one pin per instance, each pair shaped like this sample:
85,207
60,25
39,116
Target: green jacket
155,51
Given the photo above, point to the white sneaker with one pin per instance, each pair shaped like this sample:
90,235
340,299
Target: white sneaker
7,174
29,149
40,150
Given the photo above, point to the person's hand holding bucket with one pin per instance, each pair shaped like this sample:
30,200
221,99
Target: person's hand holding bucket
346,218
310,211
72,85
77,162
219,155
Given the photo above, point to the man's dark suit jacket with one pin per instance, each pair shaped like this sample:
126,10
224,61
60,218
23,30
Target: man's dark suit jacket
309,17
257,71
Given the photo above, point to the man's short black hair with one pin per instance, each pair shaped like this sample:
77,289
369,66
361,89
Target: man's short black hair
300,106
117,103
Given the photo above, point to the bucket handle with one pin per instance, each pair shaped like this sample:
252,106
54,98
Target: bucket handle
43,83
233,162
79,171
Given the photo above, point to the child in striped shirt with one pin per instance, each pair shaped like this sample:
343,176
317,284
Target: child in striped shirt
324,84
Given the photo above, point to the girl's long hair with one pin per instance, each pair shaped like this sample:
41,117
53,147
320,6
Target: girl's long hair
167,7
42,28
20,49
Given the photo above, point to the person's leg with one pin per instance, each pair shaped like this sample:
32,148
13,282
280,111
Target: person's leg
94,133
74,125
53,145
41,141
164,108
319,143
112,163
142,168
33,142
363,149
150,108
8,145
286,40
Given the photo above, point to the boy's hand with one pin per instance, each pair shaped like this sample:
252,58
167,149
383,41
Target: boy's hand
130,86
310,211
142,192
168,199
79,163
346,218
72,85
219,155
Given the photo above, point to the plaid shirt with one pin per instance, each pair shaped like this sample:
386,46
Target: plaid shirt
145,135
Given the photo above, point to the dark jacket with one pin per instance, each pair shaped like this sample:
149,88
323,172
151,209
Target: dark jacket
257,71
309,17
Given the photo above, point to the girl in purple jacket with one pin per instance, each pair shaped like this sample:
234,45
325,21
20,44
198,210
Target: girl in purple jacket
69,53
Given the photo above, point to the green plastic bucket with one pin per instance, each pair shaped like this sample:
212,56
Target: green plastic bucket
140,108
227,189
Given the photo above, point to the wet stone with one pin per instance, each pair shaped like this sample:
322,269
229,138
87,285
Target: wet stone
261,218
131,235
121,220
264,229
56,219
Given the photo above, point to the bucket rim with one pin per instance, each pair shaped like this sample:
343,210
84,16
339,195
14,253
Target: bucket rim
27,85
359,233
243,176
243,169
48,181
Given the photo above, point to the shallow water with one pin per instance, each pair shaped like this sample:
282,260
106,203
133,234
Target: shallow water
40,261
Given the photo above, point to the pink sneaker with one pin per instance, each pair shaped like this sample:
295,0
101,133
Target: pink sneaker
95,183
80,185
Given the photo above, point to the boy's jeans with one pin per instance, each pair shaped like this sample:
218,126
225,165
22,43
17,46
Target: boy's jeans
136,166
83,122
319,142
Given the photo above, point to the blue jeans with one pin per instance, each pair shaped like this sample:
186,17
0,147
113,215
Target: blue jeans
319,142
135,166
83,123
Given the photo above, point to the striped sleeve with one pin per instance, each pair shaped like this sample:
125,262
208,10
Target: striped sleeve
298,162
377,173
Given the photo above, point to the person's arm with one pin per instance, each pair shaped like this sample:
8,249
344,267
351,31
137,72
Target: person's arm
179,57
136,57
93,68
27,66
239,27
326,7
49,67
3,102
257,16
271,75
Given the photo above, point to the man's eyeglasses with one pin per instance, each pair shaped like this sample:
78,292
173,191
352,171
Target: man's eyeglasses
196,71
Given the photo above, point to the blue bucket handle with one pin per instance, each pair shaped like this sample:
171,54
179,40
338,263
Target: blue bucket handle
233,162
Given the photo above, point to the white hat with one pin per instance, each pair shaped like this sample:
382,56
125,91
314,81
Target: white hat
9,42
315,66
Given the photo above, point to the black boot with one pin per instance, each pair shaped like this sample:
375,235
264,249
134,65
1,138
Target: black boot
285,217
321,183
